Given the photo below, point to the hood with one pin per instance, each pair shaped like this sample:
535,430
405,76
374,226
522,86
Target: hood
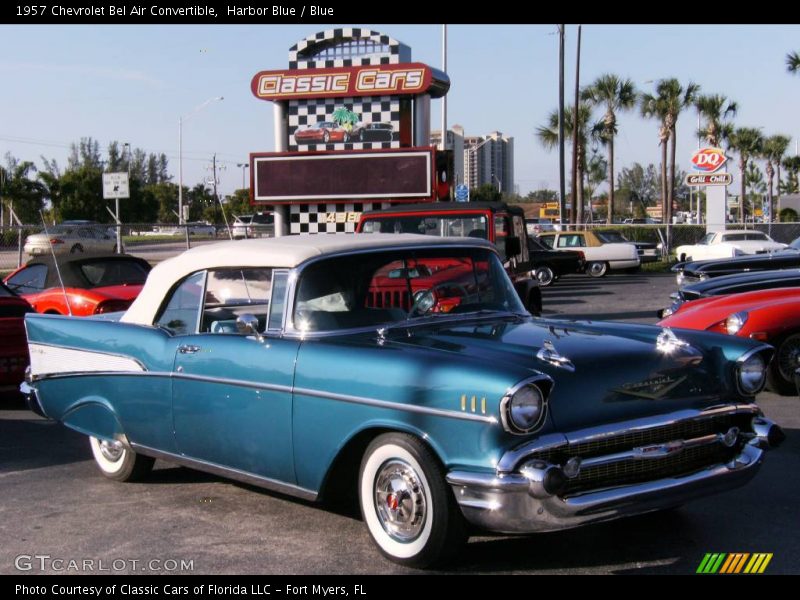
617,371
773,260
705,312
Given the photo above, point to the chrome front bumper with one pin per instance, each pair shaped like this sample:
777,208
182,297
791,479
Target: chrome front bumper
526,499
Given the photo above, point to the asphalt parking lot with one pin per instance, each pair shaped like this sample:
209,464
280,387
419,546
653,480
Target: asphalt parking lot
54,502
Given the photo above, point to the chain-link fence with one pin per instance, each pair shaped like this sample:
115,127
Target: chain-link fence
153,241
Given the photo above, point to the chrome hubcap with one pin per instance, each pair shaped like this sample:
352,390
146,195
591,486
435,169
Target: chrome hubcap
400,501
597,268
544,276
111,451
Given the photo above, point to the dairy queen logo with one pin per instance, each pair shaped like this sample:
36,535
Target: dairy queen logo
709,159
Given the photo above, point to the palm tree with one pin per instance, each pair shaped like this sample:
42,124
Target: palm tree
793,62
548,136
674,99
616,95
715,108
656,107
792,166
774,148
747,142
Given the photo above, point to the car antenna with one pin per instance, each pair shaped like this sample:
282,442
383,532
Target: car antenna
55,262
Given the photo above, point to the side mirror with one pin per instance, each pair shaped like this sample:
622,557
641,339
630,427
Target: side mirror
247,324
513,246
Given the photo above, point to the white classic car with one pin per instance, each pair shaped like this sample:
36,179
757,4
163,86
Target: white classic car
600,256
727,244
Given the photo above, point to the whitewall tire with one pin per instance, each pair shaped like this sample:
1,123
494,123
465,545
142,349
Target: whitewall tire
406,504
119,463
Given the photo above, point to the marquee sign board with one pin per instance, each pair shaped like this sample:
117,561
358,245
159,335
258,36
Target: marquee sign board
304,177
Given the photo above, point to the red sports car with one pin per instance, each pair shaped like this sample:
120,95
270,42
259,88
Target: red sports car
324,132
772,316
13,344
92,284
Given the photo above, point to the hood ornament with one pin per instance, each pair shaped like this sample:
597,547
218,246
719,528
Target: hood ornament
667,342
548,353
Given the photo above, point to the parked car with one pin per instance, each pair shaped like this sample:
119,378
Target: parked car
372,132
601,257
497,222
273,362
257,225
322,132
737,283
694,271
549,265
194,228
771,316
537,226
648,251
93,284
13,345
69,238
727,244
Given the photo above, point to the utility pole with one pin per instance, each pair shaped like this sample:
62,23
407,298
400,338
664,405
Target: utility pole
577,207
562,206
215,181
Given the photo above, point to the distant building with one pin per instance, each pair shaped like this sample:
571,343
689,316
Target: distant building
480,159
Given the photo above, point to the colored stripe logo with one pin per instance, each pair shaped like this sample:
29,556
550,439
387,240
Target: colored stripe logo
734,563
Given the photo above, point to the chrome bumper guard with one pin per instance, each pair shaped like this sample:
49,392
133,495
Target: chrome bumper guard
527,499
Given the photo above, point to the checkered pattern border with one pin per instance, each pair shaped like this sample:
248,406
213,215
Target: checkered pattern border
372,109
298,54
313,218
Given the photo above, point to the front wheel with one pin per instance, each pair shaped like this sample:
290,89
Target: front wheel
118,462
597,269
545,275
780,375
406,503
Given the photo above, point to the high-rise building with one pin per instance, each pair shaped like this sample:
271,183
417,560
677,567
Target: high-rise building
480,159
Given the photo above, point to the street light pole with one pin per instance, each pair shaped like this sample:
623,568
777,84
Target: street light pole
126,149
180,152
243,166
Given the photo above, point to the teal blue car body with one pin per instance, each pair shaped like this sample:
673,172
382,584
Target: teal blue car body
285,408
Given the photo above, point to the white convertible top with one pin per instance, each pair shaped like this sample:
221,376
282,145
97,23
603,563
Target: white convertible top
283,252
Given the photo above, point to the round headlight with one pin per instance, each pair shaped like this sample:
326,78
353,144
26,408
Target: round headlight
524,409
752,374
735,322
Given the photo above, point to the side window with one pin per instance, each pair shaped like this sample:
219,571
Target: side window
29,280
501,232
182,312
231,293
279,284
570,241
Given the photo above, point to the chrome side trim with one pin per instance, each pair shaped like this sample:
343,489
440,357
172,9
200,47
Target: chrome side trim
412,408
230,473
514,456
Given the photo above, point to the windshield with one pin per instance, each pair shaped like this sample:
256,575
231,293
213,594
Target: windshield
706,240
438,225
795,244
366,290
4,291
611,237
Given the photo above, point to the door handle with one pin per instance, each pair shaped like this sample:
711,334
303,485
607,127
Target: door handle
188,349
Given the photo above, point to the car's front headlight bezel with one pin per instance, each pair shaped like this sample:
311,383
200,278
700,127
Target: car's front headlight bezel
735,322
516,403
751,371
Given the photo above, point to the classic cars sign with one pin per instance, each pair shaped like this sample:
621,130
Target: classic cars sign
339,82
708,159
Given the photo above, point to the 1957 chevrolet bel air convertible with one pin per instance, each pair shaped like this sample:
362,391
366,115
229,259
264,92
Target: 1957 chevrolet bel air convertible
403,369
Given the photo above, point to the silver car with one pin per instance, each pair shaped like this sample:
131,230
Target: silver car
71,239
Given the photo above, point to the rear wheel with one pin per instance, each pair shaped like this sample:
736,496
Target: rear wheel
780,375
597,269
118,462
544,275
406,503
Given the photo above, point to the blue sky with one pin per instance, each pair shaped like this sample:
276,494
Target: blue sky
132,82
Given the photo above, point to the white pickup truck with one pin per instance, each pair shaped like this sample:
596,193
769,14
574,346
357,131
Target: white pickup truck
600,257
727,244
